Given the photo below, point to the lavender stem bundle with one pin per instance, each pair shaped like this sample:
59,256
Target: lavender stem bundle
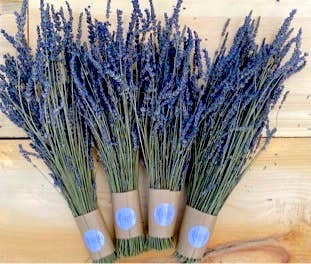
167,113
105,72
38,94
241,86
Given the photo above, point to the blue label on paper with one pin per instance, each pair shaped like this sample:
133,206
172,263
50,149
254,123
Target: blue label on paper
198,236
125,218
164,214
94,240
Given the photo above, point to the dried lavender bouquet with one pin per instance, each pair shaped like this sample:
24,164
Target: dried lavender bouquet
37,93
101,69
168,112
241,87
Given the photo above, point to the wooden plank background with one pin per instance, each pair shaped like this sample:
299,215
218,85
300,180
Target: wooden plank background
266,219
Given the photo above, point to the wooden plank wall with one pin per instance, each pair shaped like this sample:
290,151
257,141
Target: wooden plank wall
266,219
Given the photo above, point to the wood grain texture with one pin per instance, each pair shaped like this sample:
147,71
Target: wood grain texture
267,218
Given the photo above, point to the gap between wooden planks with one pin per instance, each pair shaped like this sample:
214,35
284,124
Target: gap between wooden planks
266,219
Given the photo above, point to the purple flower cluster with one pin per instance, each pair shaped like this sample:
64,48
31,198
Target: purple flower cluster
169,102
147,78
242,85
150,87
124,79
38,94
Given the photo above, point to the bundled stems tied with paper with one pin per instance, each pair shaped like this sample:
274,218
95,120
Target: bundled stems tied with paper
96,236
100,76
195,232
39,95
127,217
167,113
163,209
241,86
152,90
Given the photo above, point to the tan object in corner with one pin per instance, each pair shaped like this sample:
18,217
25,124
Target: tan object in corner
195,231
95,235
127,215
162,212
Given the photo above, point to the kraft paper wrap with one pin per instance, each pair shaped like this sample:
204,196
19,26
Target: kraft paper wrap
128,200
193,217
94,221
156,197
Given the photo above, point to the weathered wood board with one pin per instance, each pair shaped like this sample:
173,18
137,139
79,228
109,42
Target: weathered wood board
266,219
208,17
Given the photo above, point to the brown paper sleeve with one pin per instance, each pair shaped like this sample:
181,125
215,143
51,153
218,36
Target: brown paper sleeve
94,222
127,200
156,198
193,217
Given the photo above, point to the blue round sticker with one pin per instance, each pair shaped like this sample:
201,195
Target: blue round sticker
94,240
125,218
198,236
164,214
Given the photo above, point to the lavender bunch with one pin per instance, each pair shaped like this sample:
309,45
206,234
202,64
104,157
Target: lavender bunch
105,71
168,107
242,85
38,94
